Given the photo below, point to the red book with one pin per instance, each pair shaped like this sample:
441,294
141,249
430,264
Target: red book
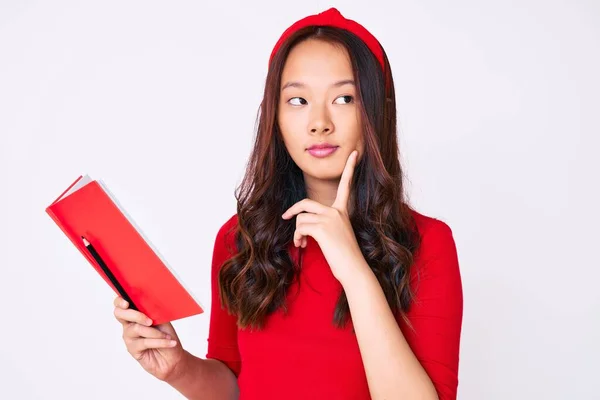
87,209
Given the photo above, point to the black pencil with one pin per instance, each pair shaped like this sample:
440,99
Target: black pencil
108,273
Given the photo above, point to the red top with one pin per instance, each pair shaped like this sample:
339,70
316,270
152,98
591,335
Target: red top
302,355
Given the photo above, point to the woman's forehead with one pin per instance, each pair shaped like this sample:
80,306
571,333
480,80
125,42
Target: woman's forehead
318,61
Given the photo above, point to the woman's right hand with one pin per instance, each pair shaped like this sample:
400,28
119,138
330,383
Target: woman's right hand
151,346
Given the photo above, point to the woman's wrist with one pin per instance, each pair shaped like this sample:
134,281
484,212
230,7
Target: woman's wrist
198,378
181,369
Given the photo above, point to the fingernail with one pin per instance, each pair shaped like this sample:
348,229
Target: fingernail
172,343
148,322
124,303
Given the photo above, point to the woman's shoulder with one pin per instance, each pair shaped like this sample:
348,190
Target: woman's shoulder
437,238
225,237
428,225
229,223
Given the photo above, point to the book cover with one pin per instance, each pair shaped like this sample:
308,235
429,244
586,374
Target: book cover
87,208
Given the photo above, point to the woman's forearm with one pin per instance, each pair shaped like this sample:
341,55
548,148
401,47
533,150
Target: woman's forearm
204,379
393,371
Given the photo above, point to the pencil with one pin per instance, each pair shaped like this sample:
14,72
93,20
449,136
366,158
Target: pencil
108,273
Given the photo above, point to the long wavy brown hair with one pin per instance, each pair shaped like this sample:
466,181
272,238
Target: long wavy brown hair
254,281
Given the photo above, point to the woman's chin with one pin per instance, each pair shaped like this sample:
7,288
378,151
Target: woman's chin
325,174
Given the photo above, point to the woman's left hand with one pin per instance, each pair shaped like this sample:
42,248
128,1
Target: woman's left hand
331,227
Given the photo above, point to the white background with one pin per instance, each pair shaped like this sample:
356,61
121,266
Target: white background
498,114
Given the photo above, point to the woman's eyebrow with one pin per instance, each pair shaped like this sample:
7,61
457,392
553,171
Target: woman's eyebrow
302,85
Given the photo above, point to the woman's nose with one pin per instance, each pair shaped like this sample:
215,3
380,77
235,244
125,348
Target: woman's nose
318,130
320,122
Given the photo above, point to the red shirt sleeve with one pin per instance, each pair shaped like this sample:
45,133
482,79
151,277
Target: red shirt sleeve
222,333
436,314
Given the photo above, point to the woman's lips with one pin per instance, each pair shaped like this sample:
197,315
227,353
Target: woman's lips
322,152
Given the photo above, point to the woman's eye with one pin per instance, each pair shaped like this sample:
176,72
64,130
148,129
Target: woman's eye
348,99
295,98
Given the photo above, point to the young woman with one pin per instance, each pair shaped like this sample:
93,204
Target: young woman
326,284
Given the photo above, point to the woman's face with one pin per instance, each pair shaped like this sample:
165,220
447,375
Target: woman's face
318,105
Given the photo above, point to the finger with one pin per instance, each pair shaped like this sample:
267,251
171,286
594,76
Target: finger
137,346
299,241
130,315
298,238
304,218
134,331
117,315
120,302
302,230
343,192
308,218
306,205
